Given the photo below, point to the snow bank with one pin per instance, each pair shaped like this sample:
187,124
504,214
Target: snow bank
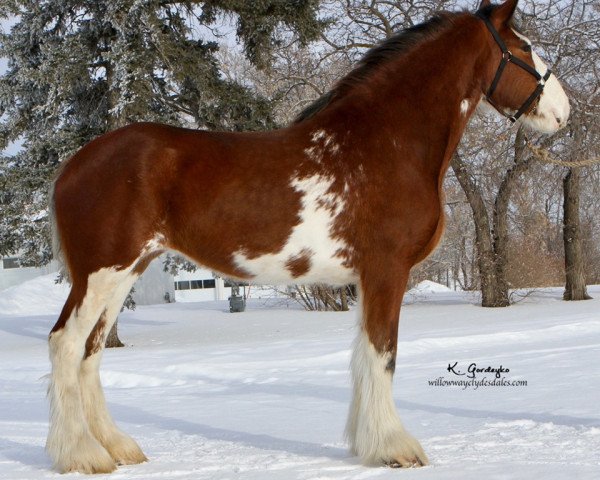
427,286
40,296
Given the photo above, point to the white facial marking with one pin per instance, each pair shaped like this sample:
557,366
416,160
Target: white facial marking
317,214
553,109
464,107
521,36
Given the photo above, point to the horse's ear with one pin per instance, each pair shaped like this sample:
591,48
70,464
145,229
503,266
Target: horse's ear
484,3
505,12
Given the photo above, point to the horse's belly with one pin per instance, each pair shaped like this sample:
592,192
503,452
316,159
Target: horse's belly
313,252
305,266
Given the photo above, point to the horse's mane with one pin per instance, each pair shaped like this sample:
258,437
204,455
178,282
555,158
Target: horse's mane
390,48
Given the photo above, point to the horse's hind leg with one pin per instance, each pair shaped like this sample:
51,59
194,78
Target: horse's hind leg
70,443
122,448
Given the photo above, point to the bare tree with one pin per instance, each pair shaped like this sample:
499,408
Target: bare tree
571,30
575,288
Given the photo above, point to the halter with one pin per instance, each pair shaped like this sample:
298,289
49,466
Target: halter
507,57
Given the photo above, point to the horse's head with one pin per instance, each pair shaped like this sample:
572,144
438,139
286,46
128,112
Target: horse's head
519,84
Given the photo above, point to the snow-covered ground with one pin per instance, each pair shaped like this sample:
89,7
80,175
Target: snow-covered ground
264,394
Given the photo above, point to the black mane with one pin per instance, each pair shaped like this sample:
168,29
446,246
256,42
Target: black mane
388,49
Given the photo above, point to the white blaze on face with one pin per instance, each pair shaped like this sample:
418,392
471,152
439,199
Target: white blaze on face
313,234
553,109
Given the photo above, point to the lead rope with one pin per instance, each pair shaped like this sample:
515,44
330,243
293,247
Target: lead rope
545,156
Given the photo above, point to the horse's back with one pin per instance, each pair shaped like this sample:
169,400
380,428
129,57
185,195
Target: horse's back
200,192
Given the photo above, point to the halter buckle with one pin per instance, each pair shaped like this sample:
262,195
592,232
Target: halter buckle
507,55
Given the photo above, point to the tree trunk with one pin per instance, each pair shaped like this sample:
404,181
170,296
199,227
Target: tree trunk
575,288
492,293
344,298
500,215
112,340
492,243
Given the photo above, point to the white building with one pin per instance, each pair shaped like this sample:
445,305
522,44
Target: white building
11,273
154,286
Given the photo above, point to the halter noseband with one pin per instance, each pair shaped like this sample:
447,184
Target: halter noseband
507,57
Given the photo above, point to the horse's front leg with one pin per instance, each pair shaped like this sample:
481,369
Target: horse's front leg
374,430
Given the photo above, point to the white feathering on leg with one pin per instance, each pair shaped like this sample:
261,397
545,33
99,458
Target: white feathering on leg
374,430
122,448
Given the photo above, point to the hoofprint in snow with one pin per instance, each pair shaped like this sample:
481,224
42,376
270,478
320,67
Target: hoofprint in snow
264,394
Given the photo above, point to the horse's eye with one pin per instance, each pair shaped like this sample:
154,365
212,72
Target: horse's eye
526,48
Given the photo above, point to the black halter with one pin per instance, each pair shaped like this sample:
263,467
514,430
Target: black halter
507,57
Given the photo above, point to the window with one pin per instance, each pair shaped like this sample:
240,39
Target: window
194,284
182,285
10,262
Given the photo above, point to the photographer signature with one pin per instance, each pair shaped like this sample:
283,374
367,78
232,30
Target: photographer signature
473,369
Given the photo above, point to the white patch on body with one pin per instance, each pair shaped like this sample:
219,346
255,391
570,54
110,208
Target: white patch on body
155,244
553,109
318,211
464,106
374,430
322,142
318,135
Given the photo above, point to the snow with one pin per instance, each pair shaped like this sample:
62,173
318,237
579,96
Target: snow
427,286
39,296
264,394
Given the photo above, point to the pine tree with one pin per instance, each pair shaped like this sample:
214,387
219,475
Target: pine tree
79,68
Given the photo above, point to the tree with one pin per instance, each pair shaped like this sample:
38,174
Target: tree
491,225
572,30
79,68
575,288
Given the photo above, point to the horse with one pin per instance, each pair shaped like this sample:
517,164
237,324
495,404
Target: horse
350,192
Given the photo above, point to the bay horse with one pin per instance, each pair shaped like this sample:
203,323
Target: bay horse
348,193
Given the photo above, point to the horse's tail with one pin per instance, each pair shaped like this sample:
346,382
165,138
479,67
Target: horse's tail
55,234
57,250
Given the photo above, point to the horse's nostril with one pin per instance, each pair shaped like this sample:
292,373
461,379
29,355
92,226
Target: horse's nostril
559,120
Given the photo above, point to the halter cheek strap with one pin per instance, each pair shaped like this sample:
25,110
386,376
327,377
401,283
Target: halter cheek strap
508,57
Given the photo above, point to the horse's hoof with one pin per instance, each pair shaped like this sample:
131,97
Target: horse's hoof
88,457
407,453
124,450
404,462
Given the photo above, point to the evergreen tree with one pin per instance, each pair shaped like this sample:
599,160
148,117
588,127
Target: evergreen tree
79,68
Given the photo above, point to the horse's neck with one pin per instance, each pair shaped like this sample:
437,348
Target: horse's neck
420,104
